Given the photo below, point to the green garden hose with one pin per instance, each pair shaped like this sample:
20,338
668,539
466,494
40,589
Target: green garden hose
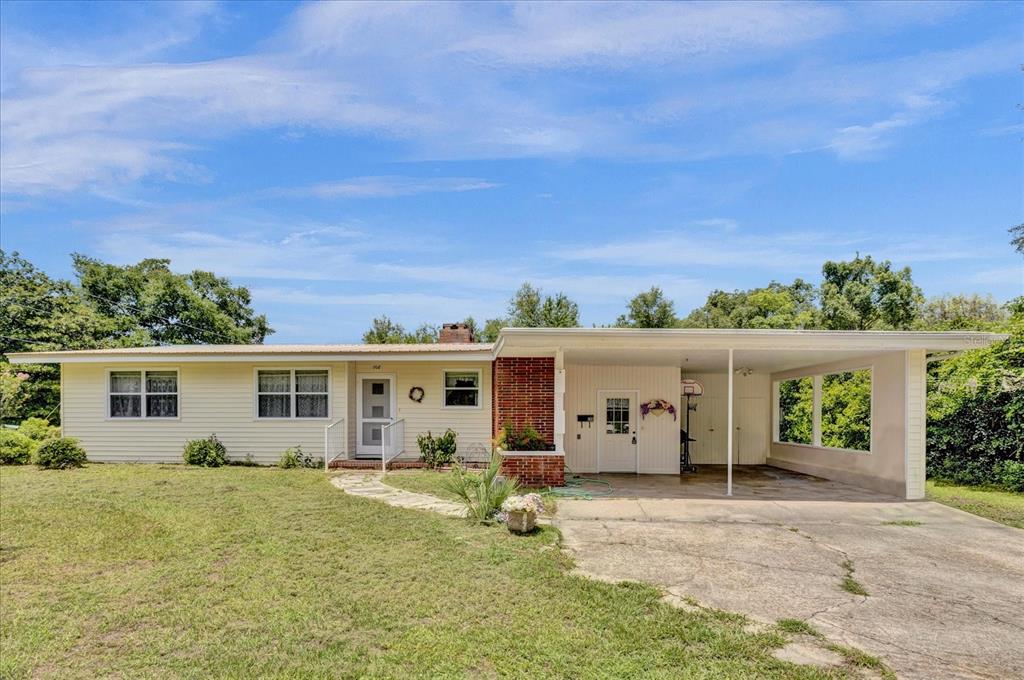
574,487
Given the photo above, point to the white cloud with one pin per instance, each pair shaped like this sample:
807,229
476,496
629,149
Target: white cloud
389,187
454,81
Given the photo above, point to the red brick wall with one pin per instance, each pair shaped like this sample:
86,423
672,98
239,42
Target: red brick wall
545,469
524,394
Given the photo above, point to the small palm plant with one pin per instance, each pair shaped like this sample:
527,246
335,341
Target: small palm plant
482,493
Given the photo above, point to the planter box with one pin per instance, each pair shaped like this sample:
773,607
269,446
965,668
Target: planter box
534,468
521,522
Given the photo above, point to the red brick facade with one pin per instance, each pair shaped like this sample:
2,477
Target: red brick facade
524,394
534,469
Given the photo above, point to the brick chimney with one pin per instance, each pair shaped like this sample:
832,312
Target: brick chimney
455,332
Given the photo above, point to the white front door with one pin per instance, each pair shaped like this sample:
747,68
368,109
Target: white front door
375,408
617,438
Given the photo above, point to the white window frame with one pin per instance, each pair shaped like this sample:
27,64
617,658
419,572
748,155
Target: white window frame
479,389
143,410
291,392
819,379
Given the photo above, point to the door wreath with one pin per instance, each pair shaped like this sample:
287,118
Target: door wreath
416,394
656,407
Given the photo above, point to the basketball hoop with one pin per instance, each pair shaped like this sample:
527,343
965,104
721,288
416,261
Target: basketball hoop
690,388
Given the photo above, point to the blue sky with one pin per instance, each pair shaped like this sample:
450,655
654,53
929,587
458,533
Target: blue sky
346,160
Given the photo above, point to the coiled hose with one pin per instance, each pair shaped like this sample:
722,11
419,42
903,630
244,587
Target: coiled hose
574,487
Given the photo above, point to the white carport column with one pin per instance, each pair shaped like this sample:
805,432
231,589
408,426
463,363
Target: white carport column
729,428
559,401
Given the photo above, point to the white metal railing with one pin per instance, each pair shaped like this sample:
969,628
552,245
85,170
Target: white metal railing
335,446
392,442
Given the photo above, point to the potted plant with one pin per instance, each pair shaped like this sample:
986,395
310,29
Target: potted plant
520,512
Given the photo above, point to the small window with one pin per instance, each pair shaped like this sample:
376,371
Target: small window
462,389
617,416
132,392
299,393
846,410
796,411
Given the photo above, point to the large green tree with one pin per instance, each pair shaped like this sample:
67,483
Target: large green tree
649,309
530,308
862,294
777,305
961,312
111,306
170,308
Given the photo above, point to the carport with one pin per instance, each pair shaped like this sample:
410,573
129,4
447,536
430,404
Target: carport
613,387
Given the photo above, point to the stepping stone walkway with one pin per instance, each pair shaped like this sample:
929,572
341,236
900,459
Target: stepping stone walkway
369,485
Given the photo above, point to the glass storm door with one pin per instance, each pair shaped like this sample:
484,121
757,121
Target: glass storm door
618,431
375,410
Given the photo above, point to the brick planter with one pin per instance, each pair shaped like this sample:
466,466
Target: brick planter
534,468
524,394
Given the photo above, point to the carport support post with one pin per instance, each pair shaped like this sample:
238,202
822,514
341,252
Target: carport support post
728,437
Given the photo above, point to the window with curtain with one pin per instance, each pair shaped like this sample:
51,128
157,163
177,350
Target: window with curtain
143,394
462,389
295,393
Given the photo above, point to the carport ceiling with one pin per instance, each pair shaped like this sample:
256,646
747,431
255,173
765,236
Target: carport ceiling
712,360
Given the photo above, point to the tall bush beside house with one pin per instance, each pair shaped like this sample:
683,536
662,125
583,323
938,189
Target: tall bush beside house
438,451
976,413
38,429
59,454
15,448
481,493
209,452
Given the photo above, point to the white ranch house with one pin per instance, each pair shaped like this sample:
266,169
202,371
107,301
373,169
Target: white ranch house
584,390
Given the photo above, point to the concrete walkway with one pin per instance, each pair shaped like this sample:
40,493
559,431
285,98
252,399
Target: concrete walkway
945,597
369,485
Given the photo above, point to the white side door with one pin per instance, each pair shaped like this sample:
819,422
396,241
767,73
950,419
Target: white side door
708,425
751,431
375,408
617,436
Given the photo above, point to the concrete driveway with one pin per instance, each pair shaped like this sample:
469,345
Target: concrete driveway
945,597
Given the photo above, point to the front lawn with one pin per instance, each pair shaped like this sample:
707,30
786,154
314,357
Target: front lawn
429,482
143,571
1004,507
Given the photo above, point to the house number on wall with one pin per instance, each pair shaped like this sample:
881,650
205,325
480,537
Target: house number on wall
376,367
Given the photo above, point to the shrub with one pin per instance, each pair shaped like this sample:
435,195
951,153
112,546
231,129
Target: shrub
294,457
207,452
59,454
15,448
1011,475
526,439
482,493
38,429
437,451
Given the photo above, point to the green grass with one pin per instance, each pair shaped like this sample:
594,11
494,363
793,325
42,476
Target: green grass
797,627
168,571
849,583
1005,507
856,657
902,523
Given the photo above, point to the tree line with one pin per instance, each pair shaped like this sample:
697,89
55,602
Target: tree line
859,294
108,306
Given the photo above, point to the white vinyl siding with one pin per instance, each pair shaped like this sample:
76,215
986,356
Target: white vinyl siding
657,436
214,398
473,425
